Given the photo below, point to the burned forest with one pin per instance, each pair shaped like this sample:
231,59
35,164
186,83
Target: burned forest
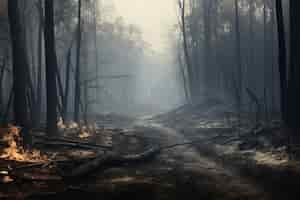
153,100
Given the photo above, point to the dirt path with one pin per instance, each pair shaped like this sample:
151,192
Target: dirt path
203,172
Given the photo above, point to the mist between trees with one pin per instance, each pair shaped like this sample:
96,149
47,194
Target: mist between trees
73,58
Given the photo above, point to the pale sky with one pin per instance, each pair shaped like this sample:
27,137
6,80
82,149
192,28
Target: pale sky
155,17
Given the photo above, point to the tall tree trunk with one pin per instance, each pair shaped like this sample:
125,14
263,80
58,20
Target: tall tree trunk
251,32
238,57
294,73
186,52
282,59
2,72
183,74
60,93
20,65
40,62
51,66
96,48
272,46
250,81
4,120
77,72
208,67
67,83
266,75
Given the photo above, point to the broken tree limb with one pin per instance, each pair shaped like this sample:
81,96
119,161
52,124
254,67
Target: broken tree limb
71,142
111,160
31,165
68,144
25,176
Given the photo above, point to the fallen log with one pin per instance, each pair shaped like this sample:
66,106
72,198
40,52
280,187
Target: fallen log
111,160
70,142
36,177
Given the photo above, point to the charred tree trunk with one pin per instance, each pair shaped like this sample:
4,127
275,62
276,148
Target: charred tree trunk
208,67
6,112
95,12
238,57
67,83
20,65
60,93
2,72
266,104
77,71
40,63
251,32
294,73
51,66
274,80
282,59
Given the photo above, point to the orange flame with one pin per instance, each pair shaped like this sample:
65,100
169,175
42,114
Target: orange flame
7,179
60,124
84,133
17,153
73,125
70,125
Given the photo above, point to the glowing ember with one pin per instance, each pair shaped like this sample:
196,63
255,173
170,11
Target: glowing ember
17,153
7,179
84,133
69,125
3,172
73,125
60,124
83,130
122,179
268,158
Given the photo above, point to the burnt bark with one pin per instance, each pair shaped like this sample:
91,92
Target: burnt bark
110,160
51,66
294,71
77,70
238,57
67,84
20,65
282,59
40,63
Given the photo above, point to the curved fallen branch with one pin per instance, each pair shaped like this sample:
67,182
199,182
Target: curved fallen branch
70,143
110,160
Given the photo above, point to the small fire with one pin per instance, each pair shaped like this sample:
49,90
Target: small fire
73,125
69,125
84,133
16,152
7,179
60,124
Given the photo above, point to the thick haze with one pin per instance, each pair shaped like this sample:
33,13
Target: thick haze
154,17
157,85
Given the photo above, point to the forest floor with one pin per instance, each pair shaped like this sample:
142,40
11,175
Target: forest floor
223,162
